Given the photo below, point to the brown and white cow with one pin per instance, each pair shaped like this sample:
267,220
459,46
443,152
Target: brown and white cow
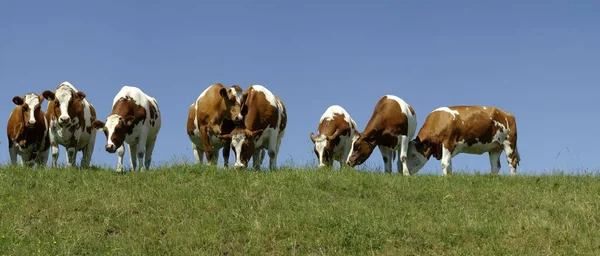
334,136
27,131
391,127
262,126
211,115
135,119
71,117
448,131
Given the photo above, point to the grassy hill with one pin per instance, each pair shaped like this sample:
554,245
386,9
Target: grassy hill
187,210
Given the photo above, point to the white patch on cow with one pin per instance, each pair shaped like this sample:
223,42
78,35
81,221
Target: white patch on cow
479,148
237,94
446,109
63,94
268,95
320,144
484,107
111,122
203,93
335,109
446,161
412,119
31,100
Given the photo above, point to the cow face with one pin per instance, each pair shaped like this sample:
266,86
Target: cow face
324,147
30,108
115,129
360,151
64,100
232,101
415,155
242,142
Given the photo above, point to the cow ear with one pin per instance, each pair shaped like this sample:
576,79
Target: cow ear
312,137
225,136
17,100
223,92
129,120
81,95
49,95
98,125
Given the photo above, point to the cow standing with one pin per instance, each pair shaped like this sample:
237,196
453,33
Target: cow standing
448,131
211,115
71,117
334,137
262,126
27,131
391,127
135,119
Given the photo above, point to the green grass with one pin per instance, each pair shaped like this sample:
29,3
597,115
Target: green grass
188,210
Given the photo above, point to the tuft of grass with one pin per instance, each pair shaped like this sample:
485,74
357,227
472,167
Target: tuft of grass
200,210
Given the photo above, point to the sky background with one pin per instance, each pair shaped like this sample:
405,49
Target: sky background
537,59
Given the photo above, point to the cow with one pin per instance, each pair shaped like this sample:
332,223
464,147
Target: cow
211,115
71,117
135,119
334,136
27,131
448,131
392,125
261,126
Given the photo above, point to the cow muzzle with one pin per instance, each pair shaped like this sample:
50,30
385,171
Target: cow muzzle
239,166
63,120
110,148
30,124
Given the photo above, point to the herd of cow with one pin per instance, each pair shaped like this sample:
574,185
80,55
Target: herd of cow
250,122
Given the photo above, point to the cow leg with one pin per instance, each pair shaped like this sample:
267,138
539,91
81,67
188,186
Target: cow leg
149,149
273,150
55,154
120,153
86,154
133,157
198,153
14,152
206,146
226,152
495,160
215,154
512,156
42,158
71,156
257,159
446,161
402,153
386,153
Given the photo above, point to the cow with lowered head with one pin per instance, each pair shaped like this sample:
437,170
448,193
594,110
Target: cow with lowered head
334,136
261,126
27,131
211,115
136,120
71,117
391,127
449,131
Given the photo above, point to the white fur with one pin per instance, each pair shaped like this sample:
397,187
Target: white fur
61,135
32,100
402,147
446,109
16,150
270,97
142,140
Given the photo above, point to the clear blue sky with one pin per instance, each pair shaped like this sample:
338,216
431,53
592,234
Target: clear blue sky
537,59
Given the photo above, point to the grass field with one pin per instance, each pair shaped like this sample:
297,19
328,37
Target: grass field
190,210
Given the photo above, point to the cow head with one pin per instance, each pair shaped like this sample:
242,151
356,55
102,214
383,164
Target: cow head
115,129
242,143
232,99
324,147
417,155
361,149
30,108
64,100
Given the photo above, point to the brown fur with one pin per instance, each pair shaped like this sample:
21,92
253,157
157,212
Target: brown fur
75,109
332,129
216,106
386,124
472,123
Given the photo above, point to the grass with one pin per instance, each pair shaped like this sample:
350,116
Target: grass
191,210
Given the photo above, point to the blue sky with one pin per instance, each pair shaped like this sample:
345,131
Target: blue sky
536,59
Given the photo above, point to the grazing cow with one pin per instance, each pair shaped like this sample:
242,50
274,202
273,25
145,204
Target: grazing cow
262,126
334,136
448,131
392,125
135,119
27,131
71,117
211,115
